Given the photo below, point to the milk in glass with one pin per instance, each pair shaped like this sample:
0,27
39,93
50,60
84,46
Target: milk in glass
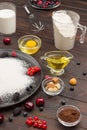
7,21
64,30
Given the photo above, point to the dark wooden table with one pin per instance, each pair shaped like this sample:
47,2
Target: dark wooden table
78,97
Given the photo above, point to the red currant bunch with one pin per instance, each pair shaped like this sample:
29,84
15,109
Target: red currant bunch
32,70
36,122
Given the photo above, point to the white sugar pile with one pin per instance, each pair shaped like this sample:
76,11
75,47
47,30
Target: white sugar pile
12,76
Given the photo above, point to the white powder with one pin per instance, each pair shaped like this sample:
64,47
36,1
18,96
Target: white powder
7,21
12,76
64,24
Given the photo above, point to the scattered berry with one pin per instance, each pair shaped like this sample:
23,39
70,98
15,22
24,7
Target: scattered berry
10,118
14,54
44,126
63,102
78,63
41,108
84,73
35,124
40,101
7,41
17,111
47,77
71,88
29,105
29,122
25,114
1,118
73,81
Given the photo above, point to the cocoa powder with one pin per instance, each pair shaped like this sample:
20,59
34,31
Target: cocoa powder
69,115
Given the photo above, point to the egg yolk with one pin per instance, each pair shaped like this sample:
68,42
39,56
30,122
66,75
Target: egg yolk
30,43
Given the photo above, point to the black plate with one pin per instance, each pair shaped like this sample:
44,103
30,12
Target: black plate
37,77
52,6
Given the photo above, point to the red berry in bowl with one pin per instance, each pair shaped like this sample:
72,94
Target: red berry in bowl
40,101
29,106
13,53
1,118
7,41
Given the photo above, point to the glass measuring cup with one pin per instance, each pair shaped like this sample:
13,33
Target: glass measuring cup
56,61
65,25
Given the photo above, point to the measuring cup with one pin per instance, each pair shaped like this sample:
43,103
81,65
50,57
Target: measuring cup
65,25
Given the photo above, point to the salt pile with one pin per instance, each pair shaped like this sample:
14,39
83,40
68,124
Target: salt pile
13,76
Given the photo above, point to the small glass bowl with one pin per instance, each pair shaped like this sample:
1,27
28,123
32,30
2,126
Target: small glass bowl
31,49
52,93
66,112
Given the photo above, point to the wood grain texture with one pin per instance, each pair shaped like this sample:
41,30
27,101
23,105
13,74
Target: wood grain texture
77,97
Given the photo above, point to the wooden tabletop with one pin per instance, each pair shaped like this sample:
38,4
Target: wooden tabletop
78,97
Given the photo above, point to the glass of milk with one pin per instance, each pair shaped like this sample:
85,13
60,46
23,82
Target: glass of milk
7,18
65,25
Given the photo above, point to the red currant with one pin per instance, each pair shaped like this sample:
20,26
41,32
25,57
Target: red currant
44,126
35,124
44,122
36,118
30,118
14,54
29,122
39,125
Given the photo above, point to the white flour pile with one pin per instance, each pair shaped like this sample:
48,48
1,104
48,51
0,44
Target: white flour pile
12,76
64,24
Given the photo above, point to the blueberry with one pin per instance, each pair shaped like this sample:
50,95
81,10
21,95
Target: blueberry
71,88
78,63
16,96
10,118
84,73
25,114
17,111
41,108
63,102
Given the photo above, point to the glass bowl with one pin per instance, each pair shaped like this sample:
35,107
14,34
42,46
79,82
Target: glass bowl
68,115
53,86
29,44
